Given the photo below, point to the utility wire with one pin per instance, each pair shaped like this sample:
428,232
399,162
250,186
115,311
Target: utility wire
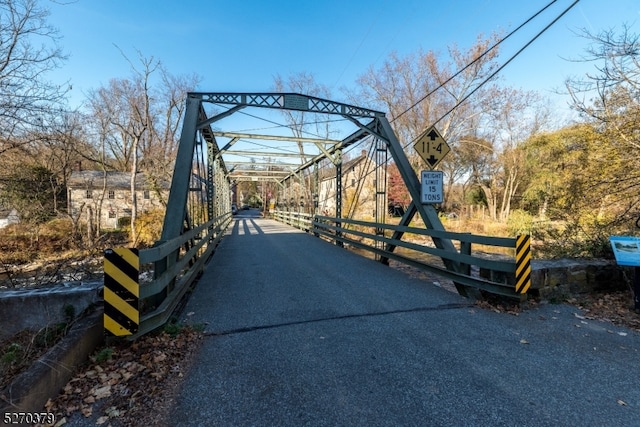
499,68
486,52
496,72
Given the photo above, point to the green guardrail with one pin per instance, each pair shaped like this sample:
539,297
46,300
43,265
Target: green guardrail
174,265
507,277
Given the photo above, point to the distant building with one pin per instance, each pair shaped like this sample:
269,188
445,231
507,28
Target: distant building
358,189
8,216
107,195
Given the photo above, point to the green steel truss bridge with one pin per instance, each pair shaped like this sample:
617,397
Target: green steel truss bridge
289,144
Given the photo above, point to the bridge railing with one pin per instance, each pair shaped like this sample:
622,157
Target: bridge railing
173,266
301,220
494,274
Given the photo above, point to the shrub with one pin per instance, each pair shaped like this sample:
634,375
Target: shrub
124,222
149,227
520,222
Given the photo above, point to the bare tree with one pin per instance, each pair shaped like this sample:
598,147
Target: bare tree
482,122
515,117
28,49
609,96
167,107
123,112
423,88
136,123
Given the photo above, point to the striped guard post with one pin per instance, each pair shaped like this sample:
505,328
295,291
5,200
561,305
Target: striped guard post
523,263
121,292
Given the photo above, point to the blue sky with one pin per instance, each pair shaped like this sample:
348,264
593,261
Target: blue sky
239,46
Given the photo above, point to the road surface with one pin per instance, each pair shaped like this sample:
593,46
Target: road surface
301,332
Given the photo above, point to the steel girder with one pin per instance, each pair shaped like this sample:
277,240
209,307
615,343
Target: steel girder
377,126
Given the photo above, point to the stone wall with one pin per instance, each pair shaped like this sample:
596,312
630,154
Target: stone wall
563,277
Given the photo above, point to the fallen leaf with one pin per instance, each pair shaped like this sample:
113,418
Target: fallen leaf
102,392
160,358
87,411
622,402
102,420
48,405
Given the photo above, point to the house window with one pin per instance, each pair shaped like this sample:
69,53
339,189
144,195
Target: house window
112,194
112,214
146,194
88,195
353,182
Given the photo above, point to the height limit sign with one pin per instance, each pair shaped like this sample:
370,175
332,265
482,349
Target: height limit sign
431,183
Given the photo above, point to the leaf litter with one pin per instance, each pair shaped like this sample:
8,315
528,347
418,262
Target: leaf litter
129,383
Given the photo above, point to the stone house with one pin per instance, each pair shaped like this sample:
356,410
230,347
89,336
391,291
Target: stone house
107,196
358,189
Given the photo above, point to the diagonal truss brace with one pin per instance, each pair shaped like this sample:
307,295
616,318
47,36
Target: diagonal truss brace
428,213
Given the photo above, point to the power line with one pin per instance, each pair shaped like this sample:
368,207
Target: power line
486,52
494,73
501,67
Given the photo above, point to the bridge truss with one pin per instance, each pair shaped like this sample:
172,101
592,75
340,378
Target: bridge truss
228,138
295,156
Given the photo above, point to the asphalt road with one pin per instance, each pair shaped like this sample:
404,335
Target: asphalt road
304,333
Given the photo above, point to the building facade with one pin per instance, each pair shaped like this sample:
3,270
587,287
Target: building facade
358,189
104,198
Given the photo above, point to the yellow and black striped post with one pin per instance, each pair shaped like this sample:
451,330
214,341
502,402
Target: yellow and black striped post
121,291
523,263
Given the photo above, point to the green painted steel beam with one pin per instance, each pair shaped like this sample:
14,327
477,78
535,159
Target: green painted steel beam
276,138
286,101
177,201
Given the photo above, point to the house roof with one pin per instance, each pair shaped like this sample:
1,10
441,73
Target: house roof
115,180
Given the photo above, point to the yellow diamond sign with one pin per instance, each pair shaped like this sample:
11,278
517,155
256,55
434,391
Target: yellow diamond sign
432,147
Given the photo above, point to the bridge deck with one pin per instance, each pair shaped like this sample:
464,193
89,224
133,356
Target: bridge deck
301,332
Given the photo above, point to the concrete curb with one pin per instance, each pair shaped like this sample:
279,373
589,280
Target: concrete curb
34,309
30,390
